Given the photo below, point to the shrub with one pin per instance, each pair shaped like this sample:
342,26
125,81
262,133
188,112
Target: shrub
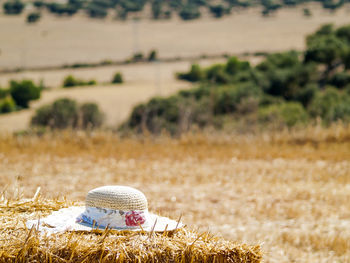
62,9
157,115
286,78
340,80
156,9
227,98
4,93
325,49
289,114
307,12
23,92
91,82
344,33
71,81
66,113
279,60
96,11
43,116
33,17
217,10
91,116
39,3
13,7
122,14
132,5
267,100
195,74
234,65
137,56
153,55
117,78
7,105
167,14
306,94
217,74
331,105
62,114
189,12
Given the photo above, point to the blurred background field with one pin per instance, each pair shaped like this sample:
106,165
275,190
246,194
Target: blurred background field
58,40
54,42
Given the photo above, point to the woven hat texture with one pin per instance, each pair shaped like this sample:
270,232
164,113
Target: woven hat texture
117,198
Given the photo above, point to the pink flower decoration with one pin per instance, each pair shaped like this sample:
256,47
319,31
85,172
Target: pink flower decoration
134,218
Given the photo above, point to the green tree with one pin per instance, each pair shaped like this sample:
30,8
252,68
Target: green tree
195,74
331,105
325,49
70,81
96,11
153,55
64,113
33,17
343,32
62,9
23,92
43,116
4,93
91,116
189,12
234,65
217,74
39,3
156,9
117,78
307,12
217,10
13,7
7,105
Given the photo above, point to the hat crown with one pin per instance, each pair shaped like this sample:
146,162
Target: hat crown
117,198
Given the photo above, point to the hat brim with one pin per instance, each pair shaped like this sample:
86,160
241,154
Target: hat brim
65,220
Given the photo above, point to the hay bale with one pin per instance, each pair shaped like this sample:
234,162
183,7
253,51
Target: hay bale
19,244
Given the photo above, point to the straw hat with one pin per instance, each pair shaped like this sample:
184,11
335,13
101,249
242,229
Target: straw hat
115,207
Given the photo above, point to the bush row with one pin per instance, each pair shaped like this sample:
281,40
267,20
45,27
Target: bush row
67,113
71,81
285,89
19,93
160,9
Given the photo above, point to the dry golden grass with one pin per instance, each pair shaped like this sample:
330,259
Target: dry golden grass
288,191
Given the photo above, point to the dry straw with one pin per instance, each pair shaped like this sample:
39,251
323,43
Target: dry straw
18,244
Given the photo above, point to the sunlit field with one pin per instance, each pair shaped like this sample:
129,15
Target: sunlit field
61,40
287,191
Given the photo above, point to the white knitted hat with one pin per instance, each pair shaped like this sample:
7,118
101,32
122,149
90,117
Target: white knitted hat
115,207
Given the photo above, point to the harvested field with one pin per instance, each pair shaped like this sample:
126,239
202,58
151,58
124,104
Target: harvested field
142,81
57,41
287,191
